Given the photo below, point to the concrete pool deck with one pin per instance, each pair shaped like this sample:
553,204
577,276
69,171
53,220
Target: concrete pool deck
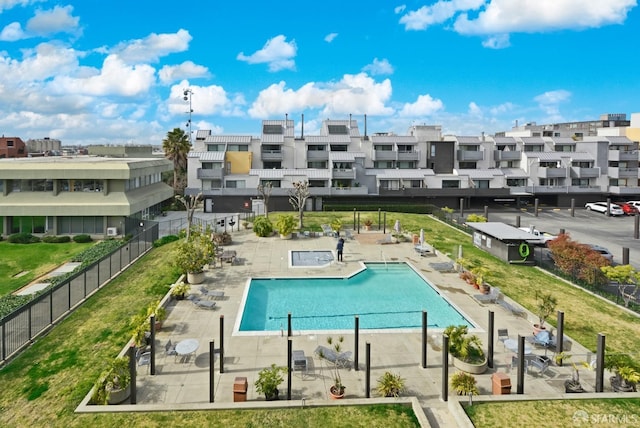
185,385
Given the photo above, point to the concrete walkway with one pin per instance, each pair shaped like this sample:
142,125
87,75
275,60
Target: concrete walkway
184,383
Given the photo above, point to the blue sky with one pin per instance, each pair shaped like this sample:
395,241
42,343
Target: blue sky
96,72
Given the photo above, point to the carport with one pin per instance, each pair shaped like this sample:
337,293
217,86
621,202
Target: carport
505,242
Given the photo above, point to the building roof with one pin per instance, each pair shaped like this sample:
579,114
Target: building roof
398,139
504,140
278,174
223,139
398,174
345,156
514,173
501,231
480,173
208,156
531,140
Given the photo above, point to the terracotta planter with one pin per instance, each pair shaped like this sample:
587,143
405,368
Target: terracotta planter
287,236
537,329
335,394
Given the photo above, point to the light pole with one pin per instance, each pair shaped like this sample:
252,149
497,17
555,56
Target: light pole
188,93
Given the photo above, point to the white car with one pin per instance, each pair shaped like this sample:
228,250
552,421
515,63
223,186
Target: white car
601,207
603,252
635,204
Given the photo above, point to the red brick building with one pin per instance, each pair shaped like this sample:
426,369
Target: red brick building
12,147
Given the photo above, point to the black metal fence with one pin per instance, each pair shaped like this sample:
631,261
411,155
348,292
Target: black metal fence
18,329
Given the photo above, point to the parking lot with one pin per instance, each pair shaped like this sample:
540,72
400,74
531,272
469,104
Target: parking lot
588,227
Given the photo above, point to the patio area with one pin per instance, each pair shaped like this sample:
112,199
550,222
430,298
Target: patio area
183,383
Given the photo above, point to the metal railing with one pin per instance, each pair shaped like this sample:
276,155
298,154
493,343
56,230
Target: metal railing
22,326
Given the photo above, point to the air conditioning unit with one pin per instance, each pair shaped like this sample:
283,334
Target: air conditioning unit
112,231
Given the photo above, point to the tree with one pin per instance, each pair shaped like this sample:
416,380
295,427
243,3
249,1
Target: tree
176,147
625,276
576,259
190,203
298,197
265,191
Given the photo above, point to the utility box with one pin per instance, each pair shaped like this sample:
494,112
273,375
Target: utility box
501,384
240,386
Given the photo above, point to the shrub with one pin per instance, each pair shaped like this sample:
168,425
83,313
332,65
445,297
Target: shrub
82,238
53,239
262,226
23,238
165,240
223,238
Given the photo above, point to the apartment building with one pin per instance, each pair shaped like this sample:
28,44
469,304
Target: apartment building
99,196
340,164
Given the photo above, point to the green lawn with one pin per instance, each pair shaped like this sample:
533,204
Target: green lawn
33,260
43,386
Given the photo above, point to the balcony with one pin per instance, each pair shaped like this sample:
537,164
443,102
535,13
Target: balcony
544,172
469,155
624,190
349,191
618,172
503,155
385,155
271,155
413,155
577,172
317,155
343,173
210,174
623,155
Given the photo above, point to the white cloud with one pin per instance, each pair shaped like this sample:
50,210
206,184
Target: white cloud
277,52
115,78
378,67
330,37
153,47
355,94
12,32
437,13
186,70
425,105
205,101
553,97
10,4
56,20
399,9
499,41
511,16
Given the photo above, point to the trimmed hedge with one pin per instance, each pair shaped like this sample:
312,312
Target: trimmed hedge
23,238
82,238
399,208
165,240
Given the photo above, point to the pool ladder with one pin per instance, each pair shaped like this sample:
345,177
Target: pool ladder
384,260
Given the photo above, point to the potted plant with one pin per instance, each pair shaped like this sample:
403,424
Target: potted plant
194,254
268,381
262,227
114,385
159,311
466,350
179,291
390,385
626,375
480,273
464,383
573,385
367,223
336,390
285,225
545,307
336,225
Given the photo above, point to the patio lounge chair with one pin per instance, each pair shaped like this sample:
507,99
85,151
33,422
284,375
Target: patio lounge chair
211,293
503,334
341,359
492,297
298,361
326,229
144,359
540,363
203,304
388,239
544,339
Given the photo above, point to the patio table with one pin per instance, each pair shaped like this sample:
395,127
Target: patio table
512,345
187,346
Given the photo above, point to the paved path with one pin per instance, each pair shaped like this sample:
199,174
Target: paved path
185,384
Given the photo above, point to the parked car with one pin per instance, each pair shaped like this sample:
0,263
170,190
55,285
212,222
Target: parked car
544,237
627,208
635,204
601,207
603,251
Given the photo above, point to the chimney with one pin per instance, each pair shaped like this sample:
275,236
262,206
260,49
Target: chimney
286,118
349,121
302,126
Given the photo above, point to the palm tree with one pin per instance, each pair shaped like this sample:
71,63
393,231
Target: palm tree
176,146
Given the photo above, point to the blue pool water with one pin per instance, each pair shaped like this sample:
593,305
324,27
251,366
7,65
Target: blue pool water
384,296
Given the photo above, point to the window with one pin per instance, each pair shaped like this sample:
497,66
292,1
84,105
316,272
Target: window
533,148
317,164
406,164
238,148
516,182
274,183
339,147
317,148
383,164
272,165
406,148
450,184
433,150
415,184
580,182
382,147
467,165
481,184
318,183
236,184
215,147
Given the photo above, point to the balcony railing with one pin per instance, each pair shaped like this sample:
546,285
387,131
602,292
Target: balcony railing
343,173
502,155
623,155
210,174
618,172
544,172
271,155
468,155
384,155
578,172
317,155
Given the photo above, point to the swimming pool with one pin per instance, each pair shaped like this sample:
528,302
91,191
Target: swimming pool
384,296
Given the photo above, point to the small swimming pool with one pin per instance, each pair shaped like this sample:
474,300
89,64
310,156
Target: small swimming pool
310,258
384,296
